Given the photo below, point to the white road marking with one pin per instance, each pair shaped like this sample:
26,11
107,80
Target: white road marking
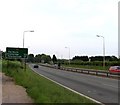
70,89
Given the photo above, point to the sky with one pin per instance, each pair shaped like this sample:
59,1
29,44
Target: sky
60,26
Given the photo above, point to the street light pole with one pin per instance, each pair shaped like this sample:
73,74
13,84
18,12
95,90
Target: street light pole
103,49
24,35
24,59
69,53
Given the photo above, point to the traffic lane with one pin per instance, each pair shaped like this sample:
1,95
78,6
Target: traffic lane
82,87
90,91
109,83
88,85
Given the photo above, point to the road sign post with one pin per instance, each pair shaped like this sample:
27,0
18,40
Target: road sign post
17,53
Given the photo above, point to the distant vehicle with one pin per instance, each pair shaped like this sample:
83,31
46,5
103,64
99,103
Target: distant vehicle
36,66
55,65
114,69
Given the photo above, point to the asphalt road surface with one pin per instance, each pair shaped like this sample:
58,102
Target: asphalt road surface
104,90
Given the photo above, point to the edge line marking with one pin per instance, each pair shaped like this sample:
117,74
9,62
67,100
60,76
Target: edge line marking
69,88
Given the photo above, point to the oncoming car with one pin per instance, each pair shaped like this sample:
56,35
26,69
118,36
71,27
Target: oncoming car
114,69
36,66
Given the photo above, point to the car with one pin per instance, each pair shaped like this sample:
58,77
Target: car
36,66
114,69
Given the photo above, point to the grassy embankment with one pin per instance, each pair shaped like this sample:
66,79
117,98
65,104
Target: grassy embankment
95,65
39,88
88,67
0,65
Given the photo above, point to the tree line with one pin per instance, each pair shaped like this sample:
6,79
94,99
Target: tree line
95,58
44,58
41,58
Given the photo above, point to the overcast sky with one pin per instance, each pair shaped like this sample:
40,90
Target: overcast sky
59,24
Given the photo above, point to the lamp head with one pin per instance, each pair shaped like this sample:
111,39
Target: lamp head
32,31
98,35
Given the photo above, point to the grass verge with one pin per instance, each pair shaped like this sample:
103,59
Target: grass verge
39,88
88,67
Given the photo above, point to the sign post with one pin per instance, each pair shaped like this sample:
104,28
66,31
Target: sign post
17,53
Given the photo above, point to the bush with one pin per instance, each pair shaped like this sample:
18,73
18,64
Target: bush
93,63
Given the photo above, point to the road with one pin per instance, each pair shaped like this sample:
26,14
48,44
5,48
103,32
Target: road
104,90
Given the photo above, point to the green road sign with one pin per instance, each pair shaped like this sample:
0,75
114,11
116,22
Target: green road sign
16,53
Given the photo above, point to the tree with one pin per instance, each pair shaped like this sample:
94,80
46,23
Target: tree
45,58
107,58
54,59
30,58
42,58
38,58
96,58
114,58
76,58
82,58
3,54
48,59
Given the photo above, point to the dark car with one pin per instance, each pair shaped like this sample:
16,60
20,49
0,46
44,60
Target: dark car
36,66
114,69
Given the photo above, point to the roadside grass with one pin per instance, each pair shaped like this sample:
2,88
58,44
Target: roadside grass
0,65
39,88
87,67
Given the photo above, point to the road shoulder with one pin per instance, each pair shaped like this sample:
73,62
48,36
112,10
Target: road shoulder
12,93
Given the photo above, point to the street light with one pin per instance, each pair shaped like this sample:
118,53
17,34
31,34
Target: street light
103,49
24,59
24,35
69,53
